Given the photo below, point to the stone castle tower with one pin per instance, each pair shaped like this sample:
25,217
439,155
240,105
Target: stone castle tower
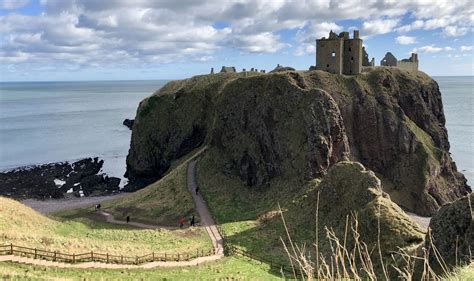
339,54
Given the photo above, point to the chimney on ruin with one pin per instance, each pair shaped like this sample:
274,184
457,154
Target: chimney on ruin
356,34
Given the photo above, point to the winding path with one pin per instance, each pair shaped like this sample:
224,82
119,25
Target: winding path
206,221
201,207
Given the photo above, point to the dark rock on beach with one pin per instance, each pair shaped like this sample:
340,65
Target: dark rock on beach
54,180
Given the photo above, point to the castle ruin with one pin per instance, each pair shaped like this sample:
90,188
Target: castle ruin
340,54
410,64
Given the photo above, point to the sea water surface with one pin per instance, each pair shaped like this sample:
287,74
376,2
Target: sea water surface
42,122
458,103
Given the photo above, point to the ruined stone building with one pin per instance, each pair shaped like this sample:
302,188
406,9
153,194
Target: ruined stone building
228,69
410,64
340,54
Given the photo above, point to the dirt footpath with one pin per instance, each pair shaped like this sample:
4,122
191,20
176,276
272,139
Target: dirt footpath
54,205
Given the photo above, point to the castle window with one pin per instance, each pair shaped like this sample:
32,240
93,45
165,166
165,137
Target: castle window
333,54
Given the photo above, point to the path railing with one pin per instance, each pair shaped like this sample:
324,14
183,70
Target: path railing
100,257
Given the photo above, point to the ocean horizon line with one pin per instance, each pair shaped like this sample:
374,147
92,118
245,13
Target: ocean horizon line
138,80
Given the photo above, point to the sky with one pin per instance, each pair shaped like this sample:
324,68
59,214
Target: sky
68,40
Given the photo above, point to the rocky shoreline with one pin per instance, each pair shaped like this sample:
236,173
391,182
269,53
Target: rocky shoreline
58,180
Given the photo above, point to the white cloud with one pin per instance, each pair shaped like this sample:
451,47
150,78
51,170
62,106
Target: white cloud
142,32
405,40
13,4
307,35
258,43
466,48
378,26
454,31
431,49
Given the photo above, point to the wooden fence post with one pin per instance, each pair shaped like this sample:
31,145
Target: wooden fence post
11,248
165,256
92,256
197,253
136,259
107,258
54,258
36,253
152,256
178,257
121,259
73,258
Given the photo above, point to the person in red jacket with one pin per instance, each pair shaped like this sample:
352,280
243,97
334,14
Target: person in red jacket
181,222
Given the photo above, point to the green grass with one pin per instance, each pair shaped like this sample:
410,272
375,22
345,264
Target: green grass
80,231
461,273
229,268
248,216
161,203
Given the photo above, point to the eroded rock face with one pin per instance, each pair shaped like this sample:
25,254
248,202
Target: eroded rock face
298,124
452,231
278,129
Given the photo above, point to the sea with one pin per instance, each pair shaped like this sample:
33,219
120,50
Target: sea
44,122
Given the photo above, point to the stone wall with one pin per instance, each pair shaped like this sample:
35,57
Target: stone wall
329,55
408,65
352,62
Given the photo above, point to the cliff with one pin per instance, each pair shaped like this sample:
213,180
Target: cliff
298,124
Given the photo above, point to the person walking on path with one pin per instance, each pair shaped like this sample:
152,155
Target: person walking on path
128,219
192,221
97,207
197,189
181,222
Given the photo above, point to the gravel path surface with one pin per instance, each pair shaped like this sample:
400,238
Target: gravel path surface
201,207
54,205
424,222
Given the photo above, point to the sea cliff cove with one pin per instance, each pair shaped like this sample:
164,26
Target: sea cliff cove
280,143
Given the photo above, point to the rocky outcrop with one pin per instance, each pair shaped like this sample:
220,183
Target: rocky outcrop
299,124
452,232
54,180
350,190
128,123
298,132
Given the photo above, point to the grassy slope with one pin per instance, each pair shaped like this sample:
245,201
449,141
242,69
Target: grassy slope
248,216
22,226
230,268
162,202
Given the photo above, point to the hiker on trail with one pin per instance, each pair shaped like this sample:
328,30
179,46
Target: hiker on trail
128,219
197,189
192,221
181,222
97,207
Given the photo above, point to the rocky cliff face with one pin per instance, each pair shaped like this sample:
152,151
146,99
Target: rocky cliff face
298,124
